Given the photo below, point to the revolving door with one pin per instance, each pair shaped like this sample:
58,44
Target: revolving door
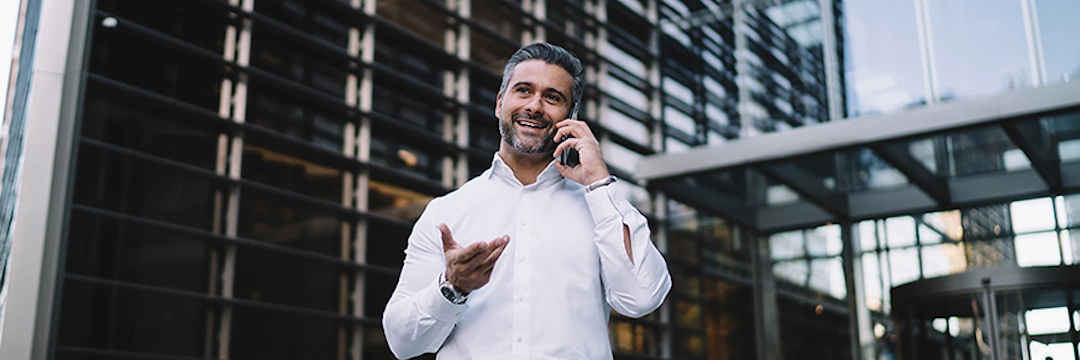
991,314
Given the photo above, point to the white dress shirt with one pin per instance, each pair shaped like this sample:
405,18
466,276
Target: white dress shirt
551,291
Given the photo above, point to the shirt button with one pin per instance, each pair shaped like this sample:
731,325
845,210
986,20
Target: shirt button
522,222
520,339
521,298
521,259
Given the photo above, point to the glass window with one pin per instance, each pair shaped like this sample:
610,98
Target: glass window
867,237
1032,215
142,188
1060,39
416,17
904,265
113,249
943,259
202,24
126,319
273,277
260,333
148,129
827,276
795,271
979,47
286,172
680,121
292,62
316,19
883,71
498,17
319,125
276,220
396,202
1038,249
619,156
900,231
872,280
624,125
135,60
634,338
787,245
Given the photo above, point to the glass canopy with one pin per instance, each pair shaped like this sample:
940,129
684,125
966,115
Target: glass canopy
962,153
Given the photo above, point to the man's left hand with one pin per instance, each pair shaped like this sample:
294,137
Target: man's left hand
592,167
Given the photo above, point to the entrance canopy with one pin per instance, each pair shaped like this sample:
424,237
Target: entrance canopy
961,153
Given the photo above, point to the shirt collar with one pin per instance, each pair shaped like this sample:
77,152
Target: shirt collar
500,169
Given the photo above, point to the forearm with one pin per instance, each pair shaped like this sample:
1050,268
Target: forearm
634,272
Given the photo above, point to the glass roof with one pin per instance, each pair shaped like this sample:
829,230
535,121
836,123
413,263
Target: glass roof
882,166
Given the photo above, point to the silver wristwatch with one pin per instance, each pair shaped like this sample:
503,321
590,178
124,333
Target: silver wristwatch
452,293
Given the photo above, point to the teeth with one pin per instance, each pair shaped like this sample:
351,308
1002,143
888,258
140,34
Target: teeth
522,123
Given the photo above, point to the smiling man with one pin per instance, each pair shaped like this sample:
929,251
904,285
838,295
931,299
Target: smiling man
526,260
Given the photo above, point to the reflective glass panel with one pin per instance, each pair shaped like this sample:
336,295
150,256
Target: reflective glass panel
883,70
1060,39
979,47
1032,215
1038,249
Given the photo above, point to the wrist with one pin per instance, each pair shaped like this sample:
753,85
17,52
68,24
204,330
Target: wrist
599,183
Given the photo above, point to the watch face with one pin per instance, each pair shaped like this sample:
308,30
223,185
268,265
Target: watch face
451,295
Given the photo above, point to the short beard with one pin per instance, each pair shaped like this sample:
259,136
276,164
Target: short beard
509,136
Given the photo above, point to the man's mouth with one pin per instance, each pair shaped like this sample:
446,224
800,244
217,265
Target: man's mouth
531,124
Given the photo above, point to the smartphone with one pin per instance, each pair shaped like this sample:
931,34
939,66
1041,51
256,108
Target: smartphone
569,157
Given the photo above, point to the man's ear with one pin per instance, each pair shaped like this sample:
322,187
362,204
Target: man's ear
498,105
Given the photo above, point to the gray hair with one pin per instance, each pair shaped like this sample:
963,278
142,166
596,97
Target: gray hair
551,54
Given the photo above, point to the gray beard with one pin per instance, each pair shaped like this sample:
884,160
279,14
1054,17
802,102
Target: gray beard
509,136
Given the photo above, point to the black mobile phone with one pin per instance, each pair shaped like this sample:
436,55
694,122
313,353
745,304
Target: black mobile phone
569,157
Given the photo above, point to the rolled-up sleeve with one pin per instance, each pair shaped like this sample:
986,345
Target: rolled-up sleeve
633,288
418,319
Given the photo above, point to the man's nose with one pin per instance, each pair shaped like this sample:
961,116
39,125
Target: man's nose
533,104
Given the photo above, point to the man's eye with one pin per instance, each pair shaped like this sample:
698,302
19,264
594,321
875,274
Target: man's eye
522,90
554,97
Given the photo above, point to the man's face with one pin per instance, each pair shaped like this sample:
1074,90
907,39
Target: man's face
537,96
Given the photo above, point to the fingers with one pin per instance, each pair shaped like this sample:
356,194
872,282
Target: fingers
497,247
472,252
448,242
568,143
576,128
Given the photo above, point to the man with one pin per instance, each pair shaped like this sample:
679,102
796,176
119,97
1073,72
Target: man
573,248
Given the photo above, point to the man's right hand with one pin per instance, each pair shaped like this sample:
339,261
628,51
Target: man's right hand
469,268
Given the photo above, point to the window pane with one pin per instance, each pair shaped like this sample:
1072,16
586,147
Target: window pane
795,271
979,47
147,129
273,277
386,243
943,259
1060,39
291,173
107,248
787,245
123,319
904,266
900,232
872,280
827,276
136,187
268,334
1038,249
884,72
268,218
1032,215
396,202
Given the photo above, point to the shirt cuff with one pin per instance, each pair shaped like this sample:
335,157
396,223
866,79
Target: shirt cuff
604,204
438,306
